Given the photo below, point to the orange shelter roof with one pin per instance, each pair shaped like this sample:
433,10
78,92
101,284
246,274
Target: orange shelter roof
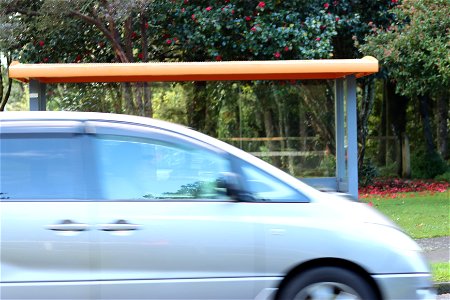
194,71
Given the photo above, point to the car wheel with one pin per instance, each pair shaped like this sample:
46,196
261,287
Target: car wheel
327,283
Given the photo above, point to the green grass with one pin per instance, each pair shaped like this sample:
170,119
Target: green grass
441,272
421,216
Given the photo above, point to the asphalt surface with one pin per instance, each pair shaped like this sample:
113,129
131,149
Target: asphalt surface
438,250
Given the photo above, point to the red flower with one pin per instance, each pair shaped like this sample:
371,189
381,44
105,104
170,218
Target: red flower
141,55
78,58
286,49
218,57
193,17
186,1
134,35
247,18
146,25
326,5
394,1
183,9
45,59
208,8
335,3
168,41
318,39
337,19
277,54
261,4
253,28
41,43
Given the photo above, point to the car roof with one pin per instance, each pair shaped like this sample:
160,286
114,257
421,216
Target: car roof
26,116
86,116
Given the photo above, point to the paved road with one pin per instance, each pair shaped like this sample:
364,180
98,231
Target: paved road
436,249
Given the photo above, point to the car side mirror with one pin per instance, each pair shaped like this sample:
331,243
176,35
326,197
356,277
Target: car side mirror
230,183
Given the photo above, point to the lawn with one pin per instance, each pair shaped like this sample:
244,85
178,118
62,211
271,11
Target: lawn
441,272
421,215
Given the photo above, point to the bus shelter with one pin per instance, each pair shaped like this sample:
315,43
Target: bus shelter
343,71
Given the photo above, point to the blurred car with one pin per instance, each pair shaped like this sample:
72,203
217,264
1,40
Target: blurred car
103,206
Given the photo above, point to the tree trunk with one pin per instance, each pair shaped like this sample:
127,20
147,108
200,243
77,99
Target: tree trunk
396,113
4,96
127,93
443,118
319,103
196,106
263,94
424,102
382,131
147,91
364,113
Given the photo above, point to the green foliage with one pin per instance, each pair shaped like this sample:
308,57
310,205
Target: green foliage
390,170
444,176
415,47
441,272
367,173
427,165
169,103
243,30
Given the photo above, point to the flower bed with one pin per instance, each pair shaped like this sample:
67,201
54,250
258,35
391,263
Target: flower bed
396,188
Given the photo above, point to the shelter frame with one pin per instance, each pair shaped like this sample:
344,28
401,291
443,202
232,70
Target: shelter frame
343,71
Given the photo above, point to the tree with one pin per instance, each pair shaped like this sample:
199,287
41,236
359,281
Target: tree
415,51
88,31
5,93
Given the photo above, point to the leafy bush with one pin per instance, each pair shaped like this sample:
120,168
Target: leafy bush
443,177
367,174
389,170
427,165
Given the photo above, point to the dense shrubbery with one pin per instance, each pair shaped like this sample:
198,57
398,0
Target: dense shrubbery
427,165
444,177
367,174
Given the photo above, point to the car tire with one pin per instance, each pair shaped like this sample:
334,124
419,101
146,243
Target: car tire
327,283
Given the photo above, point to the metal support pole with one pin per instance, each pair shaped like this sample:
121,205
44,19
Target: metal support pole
352,136
341,182
38,100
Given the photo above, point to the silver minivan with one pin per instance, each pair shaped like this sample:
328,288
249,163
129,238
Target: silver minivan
102,206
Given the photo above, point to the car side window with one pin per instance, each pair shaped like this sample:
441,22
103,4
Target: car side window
264,187
131,168
45,166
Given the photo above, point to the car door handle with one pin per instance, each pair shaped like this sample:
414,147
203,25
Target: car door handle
119,225
68,225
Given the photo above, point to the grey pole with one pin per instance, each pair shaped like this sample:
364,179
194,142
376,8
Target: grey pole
352,136
38,100
341,182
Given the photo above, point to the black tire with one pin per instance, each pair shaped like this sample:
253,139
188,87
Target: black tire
326,283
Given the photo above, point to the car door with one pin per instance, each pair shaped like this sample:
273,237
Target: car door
167,230
45,218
